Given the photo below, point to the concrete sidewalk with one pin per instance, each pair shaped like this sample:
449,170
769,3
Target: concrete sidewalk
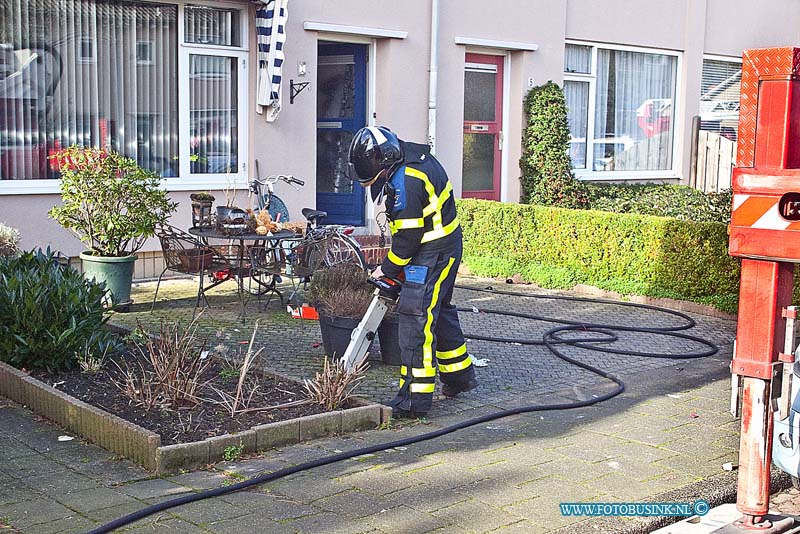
665,438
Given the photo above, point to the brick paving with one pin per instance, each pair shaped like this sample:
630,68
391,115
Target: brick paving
670,431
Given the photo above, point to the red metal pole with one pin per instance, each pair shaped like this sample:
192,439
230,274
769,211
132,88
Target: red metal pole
767,167
755,450
766,288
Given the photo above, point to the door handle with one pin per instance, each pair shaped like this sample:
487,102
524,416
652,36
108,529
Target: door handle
500,141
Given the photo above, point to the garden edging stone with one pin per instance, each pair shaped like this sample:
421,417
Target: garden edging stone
144,447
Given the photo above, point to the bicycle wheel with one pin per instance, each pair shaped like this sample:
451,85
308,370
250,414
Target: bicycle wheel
276,206
312,259
340,249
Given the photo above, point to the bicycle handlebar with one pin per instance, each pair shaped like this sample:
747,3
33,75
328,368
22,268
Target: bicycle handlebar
274,178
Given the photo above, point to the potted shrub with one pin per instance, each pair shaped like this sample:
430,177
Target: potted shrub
112,205
225,212
201,209
341,296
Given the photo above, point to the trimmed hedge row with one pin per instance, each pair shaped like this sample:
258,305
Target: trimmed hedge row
628,253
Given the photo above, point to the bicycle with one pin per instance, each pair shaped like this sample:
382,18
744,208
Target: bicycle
321,246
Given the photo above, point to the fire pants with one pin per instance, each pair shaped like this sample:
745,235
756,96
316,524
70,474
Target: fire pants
430,334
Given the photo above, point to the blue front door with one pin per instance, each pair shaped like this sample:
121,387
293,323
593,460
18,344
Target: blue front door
341,111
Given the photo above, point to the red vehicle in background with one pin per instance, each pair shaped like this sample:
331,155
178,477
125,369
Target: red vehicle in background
655,116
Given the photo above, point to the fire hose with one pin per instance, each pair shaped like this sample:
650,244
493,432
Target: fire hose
593,336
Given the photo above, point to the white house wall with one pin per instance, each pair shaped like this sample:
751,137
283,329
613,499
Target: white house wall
288,145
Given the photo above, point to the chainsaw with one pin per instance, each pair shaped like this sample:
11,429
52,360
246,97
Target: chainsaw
387,291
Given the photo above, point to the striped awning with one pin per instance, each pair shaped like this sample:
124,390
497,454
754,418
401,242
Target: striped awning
271,30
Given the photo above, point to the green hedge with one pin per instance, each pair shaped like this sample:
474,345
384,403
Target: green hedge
628,253
677,201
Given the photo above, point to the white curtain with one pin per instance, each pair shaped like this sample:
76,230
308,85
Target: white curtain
88,73
634,123
577,58
577,98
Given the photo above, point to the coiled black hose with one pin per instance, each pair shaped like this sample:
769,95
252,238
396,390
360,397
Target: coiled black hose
598,337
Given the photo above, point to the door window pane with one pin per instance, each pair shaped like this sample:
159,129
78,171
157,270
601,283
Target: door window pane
332,168
719,97
336,87
69,75
213,110
480,88
212,26
634,111
478,170
577,96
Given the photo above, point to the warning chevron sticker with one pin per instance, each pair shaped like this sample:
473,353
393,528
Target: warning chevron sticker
760,213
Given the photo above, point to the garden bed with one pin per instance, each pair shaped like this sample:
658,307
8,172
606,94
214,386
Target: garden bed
191,422
165,441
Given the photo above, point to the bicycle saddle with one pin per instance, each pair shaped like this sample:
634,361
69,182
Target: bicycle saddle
310,214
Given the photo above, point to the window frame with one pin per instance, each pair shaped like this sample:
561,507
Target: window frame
92,43
150,45
591,78
716,57
185,181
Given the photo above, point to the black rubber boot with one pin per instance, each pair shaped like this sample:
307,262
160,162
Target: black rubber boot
400,410
452,390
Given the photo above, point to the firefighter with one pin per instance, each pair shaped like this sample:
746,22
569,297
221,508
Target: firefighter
425,254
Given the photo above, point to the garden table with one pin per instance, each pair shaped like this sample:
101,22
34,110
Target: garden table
214,233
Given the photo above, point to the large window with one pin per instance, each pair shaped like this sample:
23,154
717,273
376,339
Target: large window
161,82
719,96
621,110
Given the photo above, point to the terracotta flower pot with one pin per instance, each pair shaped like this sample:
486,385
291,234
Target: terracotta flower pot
196,259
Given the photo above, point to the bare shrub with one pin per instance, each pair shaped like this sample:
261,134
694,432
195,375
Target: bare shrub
241,400
342,291
334,385
138,384
169,370
92,362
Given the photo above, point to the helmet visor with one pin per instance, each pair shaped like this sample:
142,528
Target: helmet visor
365,171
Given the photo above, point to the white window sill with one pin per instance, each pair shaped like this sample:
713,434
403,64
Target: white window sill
605,176
49,187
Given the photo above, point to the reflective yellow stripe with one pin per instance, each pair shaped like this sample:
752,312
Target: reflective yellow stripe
397,260
422,388
453,367
433,210
406,224
427,347
424,177
445,194
418,373
433,199
440,232
450,354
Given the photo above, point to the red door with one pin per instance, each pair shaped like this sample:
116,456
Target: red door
483,114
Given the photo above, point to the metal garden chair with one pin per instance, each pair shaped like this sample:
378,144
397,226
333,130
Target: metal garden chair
183,253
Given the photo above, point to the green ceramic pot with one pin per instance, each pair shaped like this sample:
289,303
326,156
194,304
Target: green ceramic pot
116,272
